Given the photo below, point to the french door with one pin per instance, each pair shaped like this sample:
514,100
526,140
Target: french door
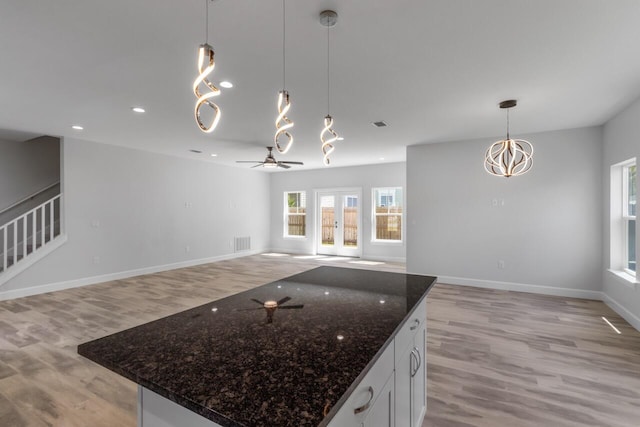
338,223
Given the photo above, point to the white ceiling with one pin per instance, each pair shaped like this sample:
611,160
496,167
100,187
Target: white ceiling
434,70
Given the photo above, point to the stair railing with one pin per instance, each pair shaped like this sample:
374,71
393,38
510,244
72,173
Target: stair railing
28,232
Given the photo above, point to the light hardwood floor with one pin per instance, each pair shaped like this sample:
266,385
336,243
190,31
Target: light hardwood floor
495,358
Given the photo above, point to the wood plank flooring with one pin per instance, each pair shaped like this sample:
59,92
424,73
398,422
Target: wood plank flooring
495,358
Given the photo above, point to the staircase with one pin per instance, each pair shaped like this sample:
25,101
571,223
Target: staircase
24,239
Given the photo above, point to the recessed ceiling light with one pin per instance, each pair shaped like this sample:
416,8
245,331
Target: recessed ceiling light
381,158
196,151
225,84
214,155
137,109
77,127
341,138
379,124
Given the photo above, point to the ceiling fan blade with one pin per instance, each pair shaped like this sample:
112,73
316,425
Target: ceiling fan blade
293,306
293,163
248,161
258,165
249,309
282,165
283,300
258,301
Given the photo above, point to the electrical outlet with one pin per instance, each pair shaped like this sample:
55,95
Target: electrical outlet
501,264
96,260
187,249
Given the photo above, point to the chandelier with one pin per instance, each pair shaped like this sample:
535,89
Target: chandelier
206,64
283,123
509,157
328,136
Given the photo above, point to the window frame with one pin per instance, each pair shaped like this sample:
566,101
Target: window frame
287,214
626,216
375,215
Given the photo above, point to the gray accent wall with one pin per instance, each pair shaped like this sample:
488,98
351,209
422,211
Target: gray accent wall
539,232
127,210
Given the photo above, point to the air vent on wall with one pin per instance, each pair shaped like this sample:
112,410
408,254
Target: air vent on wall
242,244
379,124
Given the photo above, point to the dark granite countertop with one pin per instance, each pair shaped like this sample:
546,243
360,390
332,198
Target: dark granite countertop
227,362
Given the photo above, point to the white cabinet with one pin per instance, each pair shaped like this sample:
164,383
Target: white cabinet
393,393
381,413
372,399
410,370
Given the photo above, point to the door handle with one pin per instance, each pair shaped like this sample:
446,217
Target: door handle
418,358
412,372
366,406
336,224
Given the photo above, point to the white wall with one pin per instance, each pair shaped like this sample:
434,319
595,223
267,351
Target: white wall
548,232
621,142
27,167
364,177
130,211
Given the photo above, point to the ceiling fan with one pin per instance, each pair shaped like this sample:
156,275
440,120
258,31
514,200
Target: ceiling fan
270,161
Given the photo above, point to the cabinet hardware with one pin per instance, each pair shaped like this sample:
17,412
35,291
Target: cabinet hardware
415,326
418,358
366,406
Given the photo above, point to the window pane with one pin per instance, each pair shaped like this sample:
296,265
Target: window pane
297,225
631,190
388,213
295,212
631,248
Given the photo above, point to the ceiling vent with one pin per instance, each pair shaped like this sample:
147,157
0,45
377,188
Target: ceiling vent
379,124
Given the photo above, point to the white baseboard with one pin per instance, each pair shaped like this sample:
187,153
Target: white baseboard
35,290
622,311
522,287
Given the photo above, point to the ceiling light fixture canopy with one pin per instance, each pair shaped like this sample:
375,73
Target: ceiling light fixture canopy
206,56
283,123
328,136
509,157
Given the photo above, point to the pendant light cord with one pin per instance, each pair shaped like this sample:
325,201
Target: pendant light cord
206,31
328,80
284,62
508,123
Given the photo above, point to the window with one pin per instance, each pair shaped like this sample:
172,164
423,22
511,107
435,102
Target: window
623,219
629,217
295,218
387,214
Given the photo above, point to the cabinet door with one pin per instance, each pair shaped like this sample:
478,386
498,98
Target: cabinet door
360,402
381,413
403,388
419,379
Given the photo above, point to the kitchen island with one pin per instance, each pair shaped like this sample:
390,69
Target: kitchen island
320,348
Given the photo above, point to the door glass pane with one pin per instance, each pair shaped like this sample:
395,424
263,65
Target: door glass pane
327,209
350,221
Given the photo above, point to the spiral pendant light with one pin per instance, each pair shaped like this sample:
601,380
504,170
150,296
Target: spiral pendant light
509,157
328,136
206,56
283,140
